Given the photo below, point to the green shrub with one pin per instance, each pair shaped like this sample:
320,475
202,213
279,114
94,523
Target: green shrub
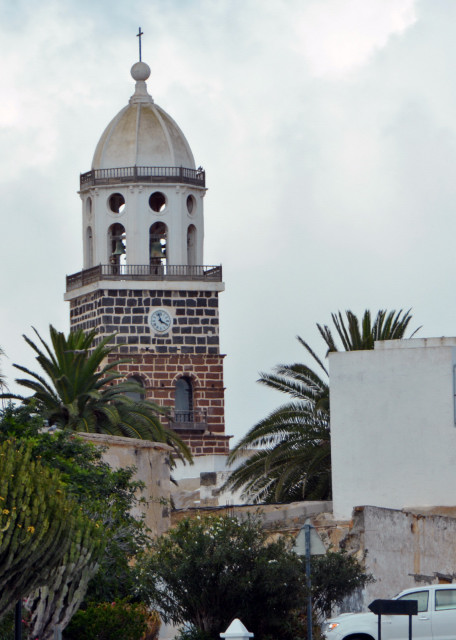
334,577
106,620
208,570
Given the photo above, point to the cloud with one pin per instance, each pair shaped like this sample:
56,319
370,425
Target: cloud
337,37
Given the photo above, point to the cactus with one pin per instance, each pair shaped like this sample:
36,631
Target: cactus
55,603
37,523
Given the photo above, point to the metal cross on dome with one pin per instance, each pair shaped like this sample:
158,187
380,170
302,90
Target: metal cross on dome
138,35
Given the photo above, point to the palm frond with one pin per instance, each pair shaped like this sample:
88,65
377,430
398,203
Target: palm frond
80,388
289,451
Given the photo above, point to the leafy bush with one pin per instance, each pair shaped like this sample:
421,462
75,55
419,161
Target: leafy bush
209,570
335,576
106,620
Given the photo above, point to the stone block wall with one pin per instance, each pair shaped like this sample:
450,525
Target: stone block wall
126,312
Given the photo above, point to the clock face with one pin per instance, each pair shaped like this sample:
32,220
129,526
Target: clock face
160,320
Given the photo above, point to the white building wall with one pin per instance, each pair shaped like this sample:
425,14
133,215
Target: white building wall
393,434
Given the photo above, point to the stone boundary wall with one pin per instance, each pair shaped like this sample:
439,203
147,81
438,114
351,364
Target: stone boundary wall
151,462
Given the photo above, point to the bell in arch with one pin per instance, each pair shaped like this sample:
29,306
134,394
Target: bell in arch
156,249
120,248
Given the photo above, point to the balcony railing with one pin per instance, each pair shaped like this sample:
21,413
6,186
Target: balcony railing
176,272
180,175
188,420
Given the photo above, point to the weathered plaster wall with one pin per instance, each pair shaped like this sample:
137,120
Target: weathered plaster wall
403,548
393,435
150,460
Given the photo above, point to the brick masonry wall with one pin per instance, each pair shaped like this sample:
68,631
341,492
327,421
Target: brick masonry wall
159,373
190,348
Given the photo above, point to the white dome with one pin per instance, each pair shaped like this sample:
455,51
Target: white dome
142,134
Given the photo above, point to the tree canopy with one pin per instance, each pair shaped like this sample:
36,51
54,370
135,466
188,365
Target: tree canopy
357,336
211,569
335,576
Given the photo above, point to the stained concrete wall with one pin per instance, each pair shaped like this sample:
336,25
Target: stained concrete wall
151,462
400,548
393,435
404,549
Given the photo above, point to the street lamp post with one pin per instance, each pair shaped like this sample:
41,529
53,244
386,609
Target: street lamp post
308,543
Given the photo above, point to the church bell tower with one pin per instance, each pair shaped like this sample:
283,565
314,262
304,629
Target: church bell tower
143,276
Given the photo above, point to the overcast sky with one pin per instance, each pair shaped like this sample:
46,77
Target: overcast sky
327,129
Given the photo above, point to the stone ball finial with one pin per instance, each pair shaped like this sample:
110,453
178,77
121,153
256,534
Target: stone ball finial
140,71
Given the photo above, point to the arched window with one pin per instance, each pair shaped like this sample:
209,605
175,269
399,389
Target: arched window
183,400
137,396
117,245
191,245
89,248
157,244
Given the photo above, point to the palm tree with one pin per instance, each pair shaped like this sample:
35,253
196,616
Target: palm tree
81,390
391,326
291,457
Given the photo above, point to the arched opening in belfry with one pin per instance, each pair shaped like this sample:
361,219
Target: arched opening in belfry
89,248
158,233
191,244
117,245
183,400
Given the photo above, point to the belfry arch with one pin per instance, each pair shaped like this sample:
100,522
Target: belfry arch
191,245
89,248
158,239
117,244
